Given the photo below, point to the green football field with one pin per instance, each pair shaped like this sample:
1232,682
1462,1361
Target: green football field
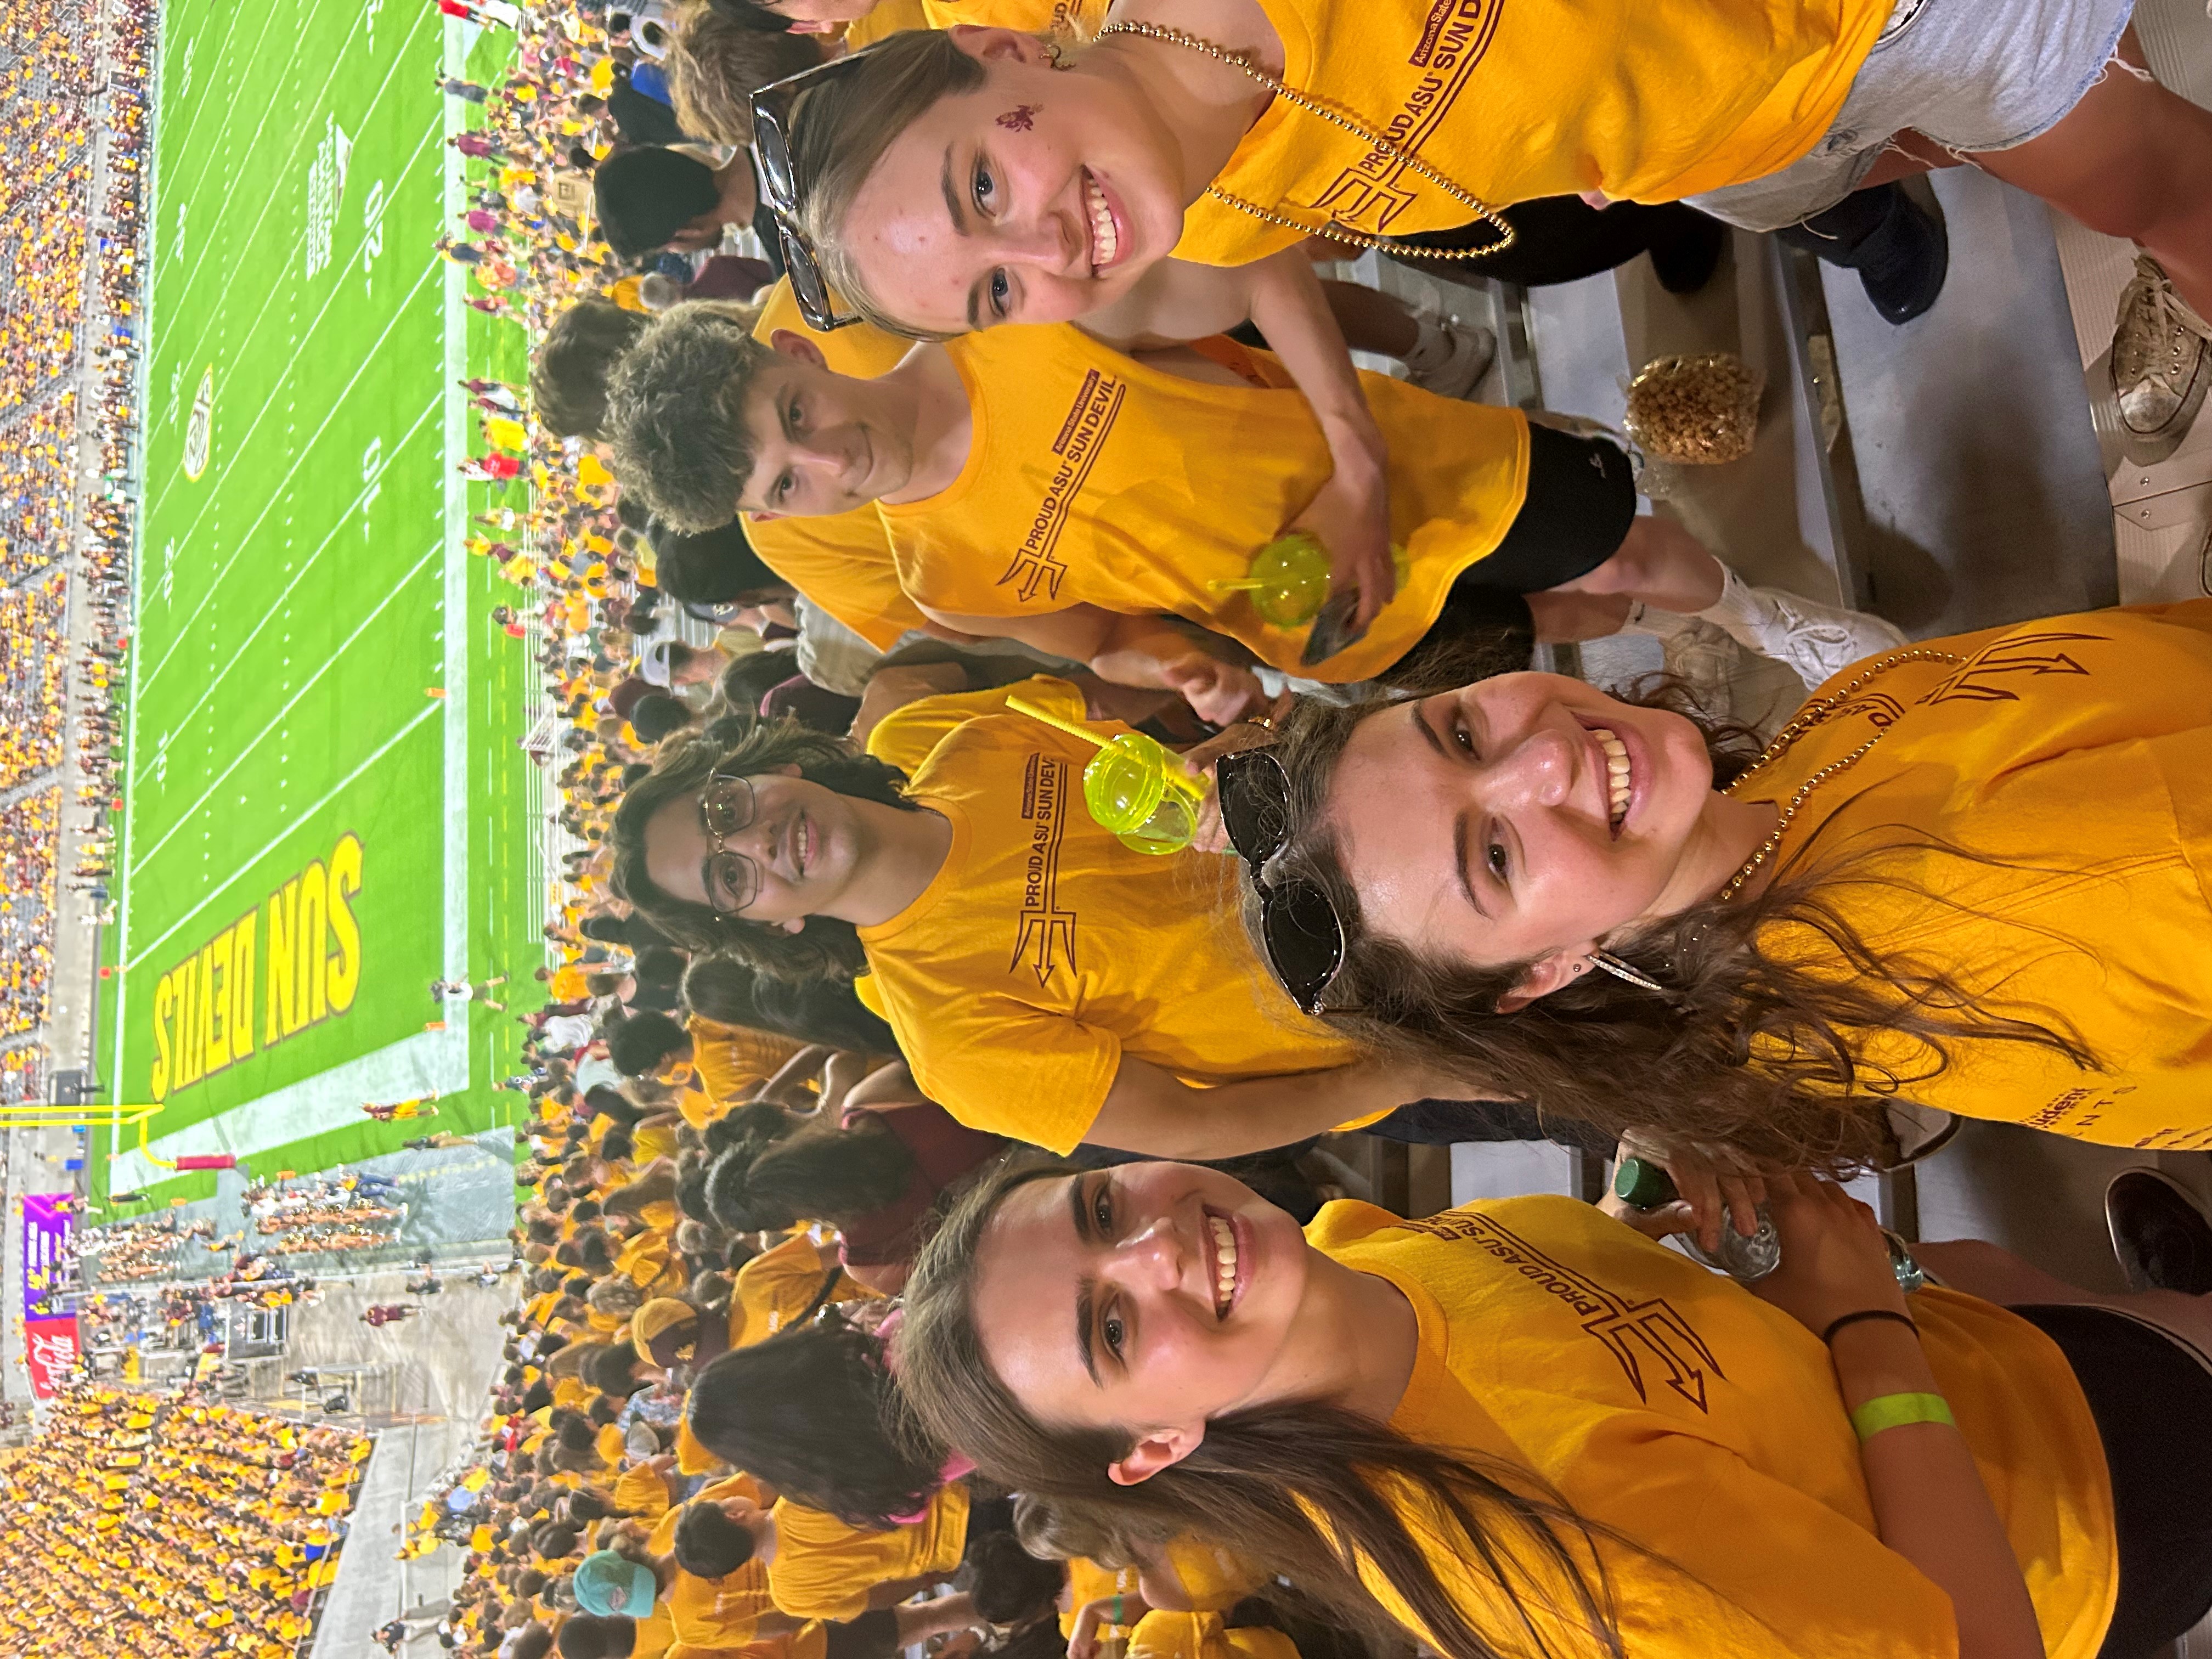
325,808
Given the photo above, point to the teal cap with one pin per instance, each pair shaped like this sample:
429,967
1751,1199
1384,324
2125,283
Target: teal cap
614,1586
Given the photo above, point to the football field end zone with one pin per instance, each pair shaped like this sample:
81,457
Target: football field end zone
427,1063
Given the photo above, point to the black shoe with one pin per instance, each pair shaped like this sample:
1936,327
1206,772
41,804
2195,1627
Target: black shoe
1899,250
2159,1233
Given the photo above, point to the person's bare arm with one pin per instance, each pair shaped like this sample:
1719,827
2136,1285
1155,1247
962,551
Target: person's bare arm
1178,302
893,688
1075,632
1151,1111
1930,1504
1352,512
887,1088
1156,652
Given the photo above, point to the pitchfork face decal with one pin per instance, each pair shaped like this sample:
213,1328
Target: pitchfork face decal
1020,118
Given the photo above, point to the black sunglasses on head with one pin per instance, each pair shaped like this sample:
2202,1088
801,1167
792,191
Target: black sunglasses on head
1300,929
772,106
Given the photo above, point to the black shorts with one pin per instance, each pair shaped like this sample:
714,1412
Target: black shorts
873,1635
2152,1399
1579,507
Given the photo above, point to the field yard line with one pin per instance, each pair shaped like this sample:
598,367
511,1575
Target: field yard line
460,820
306,131
277,718
274,841
270,607
420,1064
184,628
268,17
330,299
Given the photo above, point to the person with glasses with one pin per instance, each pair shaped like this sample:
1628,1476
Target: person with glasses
1969,875
1045,981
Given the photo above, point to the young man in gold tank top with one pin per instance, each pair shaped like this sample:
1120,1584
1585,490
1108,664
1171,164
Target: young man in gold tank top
1040,485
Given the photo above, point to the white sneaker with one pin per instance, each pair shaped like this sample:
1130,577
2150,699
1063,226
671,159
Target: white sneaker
1451,355
1818,641
2160,365
1920,1132
1696,653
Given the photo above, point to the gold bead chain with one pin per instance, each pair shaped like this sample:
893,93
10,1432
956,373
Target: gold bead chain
1334,232
1808,717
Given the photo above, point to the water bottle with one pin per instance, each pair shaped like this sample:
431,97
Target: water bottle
1644,1185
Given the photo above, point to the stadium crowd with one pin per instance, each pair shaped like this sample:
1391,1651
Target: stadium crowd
73,108
176,1529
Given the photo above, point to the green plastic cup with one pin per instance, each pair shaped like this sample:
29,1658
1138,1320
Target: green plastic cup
1139,791
1288,579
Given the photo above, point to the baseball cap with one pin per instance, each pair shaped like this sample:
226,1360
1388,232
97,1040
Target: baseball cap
652,666
668,1332
613,1586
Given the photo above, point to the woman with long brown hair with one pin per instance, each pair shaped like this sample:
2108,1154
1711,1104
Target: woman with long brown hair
1521,1428
1970,874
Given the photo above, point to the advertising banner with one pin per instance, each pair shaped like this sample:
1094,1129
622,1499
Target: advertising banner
50,1350
47,1222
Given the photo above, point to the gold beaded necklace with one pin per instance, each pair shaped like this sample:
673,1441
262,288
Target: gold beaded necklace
1808,717
1466,199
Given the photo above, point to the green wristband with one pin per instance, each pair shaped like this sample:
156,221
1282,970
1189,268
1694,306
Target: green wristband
1896,1411
1116,1621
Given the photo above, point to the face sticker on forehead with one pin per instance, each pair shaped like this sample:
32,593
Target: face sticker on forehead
1020,118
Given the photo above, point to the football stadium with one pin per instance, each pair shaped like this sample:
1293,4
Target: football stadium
323,817
1109,829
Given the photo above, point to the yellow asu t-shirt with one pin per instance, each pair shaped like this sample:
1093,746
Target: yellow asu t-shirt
1044,950
888,17
1539,98
2070,759
823,1568
719,1613
733,1060
1163,1635
810,1641
1670,1405
642,1491
777,1285
655,1633
1094,478
841,562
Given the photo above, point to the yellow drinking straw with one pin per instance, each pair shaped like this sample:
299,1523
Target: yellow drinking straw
1020,706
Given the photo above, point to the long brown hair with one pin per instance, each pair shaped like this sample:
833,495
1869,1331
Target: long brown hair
1757,1039
1260,1477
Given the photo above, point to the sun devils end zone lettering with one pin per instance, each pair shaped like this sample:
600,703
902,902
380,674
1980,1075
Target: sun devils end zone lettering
1042,929
1036,565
